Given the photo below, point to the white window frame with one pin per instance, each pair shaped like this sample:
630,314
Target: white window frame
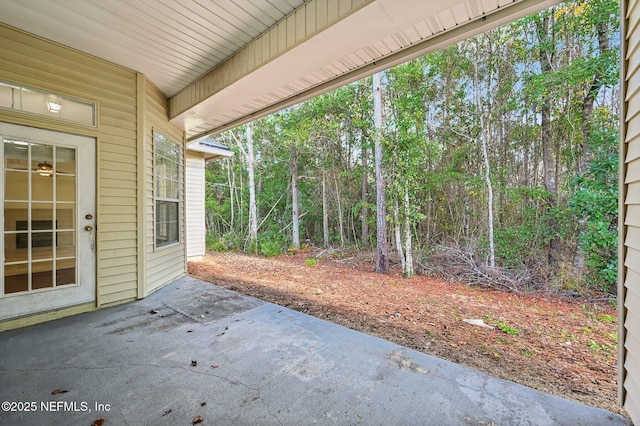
167,157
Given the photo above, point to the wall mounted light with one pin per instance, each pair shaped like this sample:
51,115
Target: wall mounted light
54,104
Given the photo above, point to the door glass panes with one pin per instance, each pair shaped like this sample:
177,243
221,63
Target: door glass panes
16,155
42,275
65,272
39,207
66,244
66,160
66,216
16,185
65,187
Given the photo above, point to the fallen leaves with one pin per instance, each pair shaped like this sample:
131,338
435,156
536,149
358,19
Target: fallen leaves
98,422
196,420
58,391
194,363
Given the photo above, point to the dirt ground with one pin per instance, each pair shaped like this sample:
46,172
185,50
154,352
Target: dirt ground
563,346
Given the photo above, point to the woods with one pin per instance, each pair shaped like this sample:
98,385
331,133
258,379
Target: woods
496,157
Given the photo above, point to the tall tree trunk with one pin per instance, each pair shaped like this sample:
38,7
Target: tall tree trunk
231,180
382,251
407,270
398,232
587,111
249,157
325,210
364,211
340,218
547,51
484,132
590,97
295,227
487,177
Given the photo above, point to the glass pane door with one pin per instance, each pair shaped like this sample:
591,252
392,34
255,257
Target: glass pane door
39,216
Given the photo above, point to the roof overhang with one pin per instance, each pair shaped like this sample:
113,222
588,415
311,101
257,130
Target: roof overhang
223,63
209,150
376,36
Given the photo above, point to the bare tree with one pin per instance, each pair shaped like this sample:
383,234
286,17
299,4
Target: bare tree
250,161
295,227
364,211
382,251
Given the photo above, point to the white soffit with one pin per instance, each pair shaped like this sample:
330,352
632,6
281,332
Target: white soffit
172,42
379,35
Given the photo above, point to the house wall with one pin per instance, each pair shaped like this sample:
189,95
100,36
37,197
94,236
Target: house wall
35,62
167,263
129,107
629,227
195,222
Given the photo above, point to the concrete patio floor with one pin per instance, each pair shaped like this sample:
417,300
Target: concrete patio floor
196,350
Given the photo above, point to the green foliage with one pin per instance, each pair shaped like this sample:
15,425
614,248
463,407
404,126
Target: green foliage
595,203
505,328
432,153
311,262
271,244
230,241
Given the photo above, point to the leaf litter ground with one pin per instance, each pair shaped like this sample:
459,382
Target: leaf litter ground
563,346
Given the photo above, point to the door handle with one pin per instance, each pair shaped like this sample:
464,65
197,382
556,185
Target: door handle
88,228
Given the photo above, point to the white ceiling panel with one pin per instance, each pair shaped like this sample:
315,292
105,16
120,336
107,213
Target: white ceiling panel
171,42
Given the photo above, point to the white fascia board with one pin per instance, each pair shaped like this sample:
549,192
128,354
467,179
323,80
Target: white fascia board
211,151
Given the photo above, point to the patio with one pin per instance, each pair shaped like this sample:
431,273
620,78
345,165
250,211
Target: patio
193,350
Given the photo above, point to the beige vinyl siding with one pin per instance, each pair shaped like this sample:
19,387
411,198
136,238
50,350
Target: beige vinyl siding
163,264
629,243
32,61
195,225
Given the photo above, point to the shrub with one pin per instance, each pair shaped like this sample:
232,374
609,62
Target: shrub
271,243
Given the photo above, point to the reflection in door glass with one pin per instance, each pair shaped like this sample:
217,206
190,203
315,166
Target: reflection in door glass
39,209
41,275
16,155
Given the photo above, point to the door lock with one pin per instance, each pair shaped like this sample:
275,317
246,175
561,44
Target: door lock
89,216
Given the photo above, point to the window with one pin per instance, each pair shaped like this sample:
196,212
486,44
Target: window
20,98
167,189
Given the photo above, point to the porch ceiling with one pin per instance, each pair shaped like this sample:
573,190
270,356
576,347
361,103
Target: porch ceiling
225,62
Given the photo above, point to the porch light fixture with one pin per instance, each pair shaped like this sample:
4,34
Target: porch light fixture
54,104
45,169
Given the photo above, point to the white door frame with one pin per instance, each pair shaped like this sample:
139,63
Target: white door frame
84,291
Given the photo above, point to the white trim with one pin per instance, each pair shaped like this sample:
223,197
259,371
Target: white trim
84,290
211,150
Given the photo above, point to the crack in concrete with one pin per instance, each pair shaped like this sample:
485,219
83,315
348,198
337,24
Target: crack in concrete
266,406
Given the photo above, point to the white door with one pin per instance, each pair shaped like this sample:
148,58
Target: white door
47,196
